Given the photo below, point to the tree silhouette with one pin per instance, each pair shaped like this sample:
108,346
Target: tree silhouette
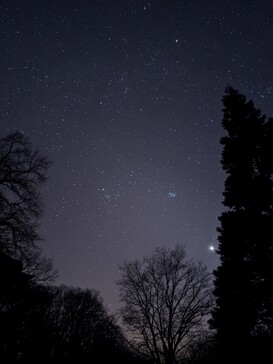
64,325
166,299
244,279
79,316
22,172
14,284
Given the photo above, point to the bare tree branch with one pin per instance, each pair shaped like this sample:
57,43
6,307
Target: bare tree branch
22,172
166,302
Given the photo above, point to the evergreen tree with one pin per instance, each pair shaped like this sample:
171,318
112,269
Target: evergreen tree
243,316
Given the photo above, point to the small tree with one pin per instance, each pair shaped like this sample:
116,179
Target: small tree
22,172
166,300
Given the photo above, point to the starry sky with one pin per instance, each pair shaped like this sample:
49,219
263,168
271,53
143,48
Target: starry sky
124,97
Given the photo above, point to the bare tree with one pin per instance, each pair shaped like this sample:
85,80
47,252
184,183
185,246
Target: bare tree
22,172
166,302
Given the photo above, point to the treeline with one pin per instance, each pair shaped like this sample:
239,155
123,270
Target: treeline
55,324
172,311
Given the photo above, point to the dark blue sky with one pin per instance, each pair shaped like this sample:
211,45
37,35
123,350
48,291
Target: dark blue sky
125,98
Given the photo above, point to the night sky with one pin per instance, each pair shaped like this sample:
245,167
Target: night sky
124,97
